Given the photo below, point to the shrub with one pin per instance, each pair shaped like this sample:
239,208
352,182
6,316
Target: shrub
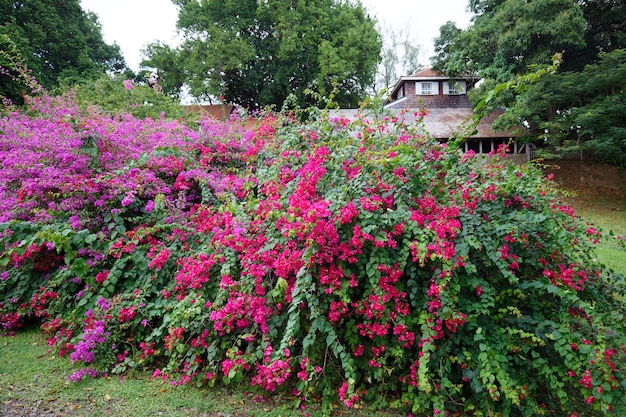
142,97
352,260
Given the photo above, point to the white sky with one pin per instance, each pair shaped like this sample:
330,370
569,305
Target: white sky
135,23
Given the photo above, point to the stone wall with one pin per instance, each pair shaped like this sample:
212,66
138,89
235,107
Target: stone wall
576,174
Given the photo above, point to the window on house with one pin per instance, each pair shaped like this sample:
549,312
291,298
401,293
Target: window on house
427,88
454,87
400,92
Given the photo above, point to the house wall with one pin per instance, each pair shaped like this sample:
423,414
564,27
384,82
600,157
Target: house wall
409,88
438,100
518,158
216,111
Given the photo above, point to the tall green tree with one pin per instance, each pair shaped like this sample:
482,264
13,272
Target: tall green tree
56,39
506,36
579,110
163,56
605,31
257,52
449,58
580,106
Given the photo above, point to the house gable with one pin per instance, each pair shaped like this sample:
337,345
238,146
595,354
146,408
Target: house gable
448,111
430,89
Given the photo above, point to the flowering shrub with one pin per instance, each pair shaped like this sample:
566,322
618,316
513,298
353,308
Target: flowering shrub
141,97
340,260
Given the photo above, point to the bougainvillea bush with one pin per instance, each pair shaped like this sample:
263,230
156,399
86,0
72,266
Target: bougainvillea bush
335,260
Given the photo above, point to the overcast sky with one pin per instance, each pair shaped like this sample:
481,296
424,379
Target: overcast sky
135,23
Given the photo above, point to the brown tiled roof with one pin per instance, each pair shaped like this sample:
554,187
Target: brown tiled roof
216,111
428,72
446,123
435,101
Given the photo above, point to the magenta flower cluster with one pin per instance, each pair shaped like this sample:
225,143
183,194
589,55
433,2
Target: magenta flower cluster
336,260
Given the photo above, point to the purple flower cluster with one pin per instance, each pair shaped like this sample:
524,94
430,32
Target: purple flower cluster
81,373
81,164
93,335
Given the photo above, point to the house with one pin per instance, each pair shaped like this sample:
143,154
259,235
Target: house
449,110
431,90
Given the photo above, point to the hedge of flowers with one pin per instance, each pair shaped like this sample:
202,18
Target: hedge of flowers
336,260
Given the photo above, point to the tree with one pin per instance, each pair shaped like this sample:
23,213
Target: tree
57,40
256,53
580,110
163,56
400,55
507,36
445,53
579,107
605,31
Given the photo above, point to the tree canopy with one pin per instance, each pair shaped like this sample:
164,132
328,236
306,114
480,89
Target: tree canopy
57,40
399,56
256,53
507,36
581,110
581,106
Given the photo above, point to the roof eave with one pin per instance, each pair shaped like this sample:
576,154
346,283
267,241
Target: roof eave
431,78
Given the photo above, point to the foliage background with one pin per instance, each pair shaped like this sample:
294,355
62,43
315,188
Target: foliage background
353,261
56,40
256,54
579,107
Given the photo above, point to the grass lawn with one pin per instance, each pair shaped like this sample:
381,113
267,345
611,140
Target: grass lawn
606,209
33,381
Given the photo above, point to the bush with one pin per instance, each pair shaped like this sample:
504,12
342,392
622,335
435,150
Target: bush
140,96
342,260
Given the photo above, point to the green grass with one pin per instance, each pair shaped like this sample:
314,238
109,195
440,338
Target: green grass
33,379
607,210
